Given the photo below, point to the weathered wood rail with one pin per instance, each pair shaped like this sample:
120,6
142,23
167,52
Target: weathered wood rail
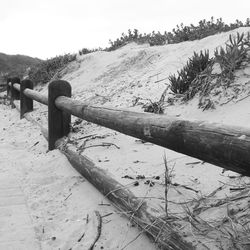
222,145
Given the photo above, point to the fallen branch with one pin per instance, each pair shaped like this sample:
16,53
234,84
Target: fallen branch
104,144
229,100
124,200
104,97
86,136
67,196
193,163
184,186
161,80
99,228
242,98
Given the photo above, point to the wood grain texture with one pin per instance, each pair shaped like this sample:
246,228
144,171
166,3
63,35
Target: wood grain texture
35,95
222,145
26,103
15,93
58,120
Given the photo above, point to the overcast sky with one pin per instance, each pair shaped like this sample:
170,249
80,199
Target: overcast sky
47,28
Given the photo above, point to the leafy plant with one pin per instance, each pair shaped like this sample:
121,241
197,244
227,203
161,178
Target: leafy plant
154,107
45,71
85,51
235,53
179,34
234,56
196,64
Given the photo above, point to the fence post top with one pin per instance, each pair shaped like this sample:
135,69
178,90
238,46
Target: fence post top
26,81
26,84
15,80
59,84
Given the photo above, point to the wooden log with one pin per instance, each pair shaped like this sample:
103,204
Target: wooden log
158,229
35,95
15,94
58,120
8,86
26,103
222,145
17,87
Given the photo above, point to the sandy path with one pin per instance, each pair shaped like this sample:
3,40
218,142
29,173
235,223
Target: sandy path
45,203
16,230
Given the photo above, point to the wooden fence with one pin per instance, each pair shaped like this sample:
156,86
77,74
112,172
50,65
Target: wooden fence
222,145
225,146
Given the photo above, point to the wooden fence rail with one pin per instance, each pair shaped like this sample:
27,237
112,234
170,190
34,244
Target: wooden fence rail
222,145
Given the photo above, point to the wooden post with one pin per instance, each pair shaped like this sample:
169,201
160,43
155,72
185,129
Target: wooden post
26,103
15,95
8,87
58,120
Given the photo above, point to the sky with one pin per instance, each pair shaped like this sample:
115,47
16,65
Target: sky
47,28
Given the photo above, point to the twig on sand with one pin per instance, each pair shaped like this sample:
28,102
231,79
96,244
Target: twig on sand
136,237
237,188
104,144
81,237
99,228
184,186
86,136
242,98
193,163
67,196
104,97
104,204
106,215
229,100
34,145
161,80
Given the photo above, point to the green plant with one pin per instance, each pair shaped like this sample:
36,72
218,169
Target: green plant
179,34
153,107
45,71
235,53
157,39
233,57
196,64
85,51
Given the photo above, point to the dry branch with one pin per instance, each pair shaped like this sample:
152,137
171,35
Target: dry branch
99,228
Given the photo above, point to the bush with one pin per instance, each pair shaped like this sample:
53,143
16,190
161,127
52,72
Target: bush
154,107
157,39
211,80
196,64
179,34
234,55
46,70
85,51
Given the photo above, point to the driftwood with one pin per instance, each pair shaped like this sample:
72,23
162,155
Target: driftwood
222,145
135,209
